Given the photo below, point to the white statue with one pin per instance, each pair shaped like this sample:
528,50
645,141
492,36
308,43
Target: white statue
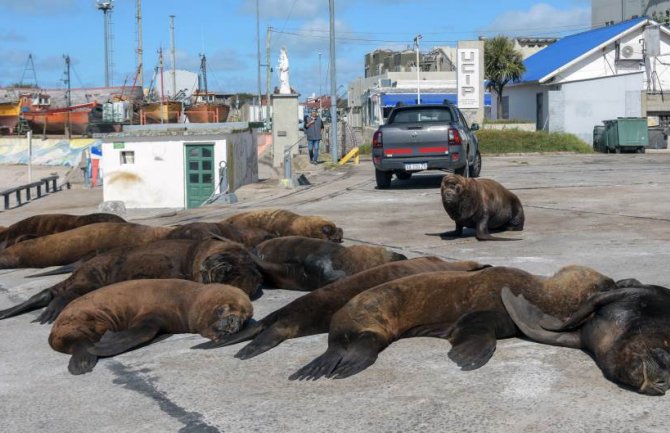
284,87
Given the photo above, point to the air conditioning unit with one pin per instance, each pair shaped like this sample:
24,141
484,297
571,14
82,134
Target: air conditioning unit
631,51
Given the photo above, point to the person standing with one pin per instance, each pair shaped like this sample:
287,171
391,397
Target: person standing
313,129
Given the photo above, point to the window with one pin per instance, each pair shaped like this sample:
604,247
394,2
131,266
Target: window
127,157
423,115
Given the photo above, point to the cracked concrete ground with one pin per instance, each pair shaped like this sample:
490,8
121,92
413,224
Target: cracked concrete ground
610,212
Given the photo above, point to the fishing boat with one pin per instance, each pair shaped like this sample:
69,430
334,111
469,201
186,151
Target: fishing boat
206,108
56,120
9,116
160,112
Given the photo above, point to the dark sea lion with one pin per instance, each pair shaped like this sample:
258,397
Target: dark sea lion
465,309
70,246
480,204
248,236
122,316
626,331
301,263
311,314
47,224
281,222
208,261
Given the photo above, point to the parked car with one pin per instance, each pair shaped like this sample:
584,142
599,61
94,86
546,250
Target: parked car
425,137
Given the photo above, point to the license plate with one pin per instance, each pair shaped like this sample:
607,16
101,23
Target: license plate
416,166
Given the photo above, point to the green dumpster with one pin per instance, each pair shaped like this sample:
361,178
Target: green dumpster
625,134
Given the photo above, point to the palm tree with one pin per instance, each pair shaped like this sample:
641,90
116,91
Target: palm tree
502,64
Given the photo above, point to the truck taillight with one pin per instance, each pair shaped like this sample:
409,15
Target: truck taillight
377,140
454,137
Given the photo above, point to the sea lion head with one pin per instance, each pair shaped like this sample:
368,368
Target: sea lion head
642,364
316,227
236,268
220,310
452,188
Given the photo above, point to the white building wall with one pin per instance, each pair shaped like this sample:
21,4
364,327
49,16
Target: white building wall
588,103
157,177
522,99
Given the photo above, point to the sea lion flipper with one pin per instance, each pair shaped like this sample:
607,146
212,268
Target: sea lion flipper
473,340
113,343
528,319
265,341
34,302
51,312
82,361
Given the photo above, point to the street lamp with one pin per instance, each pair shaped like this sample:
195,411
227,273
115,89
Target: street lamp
417,38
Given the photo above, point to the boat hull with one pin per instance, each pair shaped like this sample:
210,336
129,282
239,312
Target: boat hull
54,121
208,113
9,116
167,112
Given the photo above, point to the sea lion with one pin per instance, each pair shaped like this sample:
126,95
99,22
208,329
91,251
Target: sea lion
248,236
481,204
311,313
301,263
282,222
465,309
117,318
209,261
626,331
70,246
47,224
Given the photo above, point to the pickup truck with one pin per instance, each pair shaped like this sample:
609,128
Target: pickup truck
425,137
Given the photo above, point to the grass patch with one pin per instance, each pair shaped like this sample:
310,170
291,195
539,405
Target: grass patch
365,149
515,141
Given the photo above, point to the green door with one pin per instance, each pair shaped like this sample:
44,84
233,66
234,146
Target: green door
199,173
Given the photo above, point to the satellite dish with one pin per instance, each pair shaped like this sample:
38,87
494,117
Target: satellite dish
627,51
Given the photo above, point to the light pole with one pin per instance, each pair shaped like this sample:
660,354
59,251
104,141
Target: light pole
333,86
258,61
320,91
418,70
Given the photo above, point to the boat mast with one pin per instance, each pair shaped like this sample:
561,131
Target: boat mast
203,72
160,63
172,55
68,96
140,51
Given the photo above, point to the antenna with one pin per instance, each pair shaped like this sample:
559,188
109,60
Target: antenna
106,7
172,58
30,66
140,51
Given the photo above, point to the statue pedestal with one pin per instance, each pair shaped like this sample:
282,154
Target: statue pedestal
285,132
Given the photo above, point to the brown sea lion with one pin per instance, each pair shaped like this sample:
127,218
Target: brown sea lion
626,331
480,204
248,236
282,222
465,309
47,224
301,263
208,261
122,316
311,314
70,246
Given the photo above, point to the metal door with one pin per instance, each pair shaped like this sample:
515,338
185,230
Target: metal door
199,173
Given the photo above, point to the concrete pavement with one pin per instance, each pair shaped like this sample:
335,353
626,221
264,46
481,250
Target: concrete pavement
611,212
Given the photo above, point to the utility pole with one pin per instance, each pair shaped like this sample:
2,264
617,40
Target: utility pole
258,58
320,91
172,57
333,86
140,51
418,70
268,74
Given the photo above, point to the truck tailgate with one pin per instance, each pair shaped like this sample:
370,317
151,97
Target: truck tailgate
415,139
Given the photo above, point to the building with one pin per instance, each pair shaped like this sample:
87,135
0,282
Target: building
583,79
177,166
608,12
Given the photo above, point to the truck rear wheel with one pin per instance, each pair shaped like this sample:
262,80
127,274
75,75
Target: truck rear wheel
476,166
383,178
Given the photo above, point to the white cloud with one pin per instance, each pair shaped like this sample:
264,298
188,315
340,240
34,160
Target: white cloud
540,20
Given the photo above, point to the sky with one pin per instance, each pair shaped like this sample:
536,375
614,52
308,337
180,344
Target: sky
225,30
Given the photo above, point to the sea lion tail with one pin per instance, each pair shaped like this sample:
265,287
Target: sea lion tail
39,300
247,333
58,271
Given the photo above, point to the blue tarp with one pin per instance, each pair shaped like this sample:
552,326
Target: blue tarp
391,99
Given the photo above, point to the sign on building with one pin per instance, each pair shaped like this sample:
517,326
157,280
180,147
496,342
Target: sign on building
469,85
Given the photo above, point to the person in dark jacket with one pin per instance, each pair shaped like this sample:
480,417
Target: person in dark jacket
313,128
